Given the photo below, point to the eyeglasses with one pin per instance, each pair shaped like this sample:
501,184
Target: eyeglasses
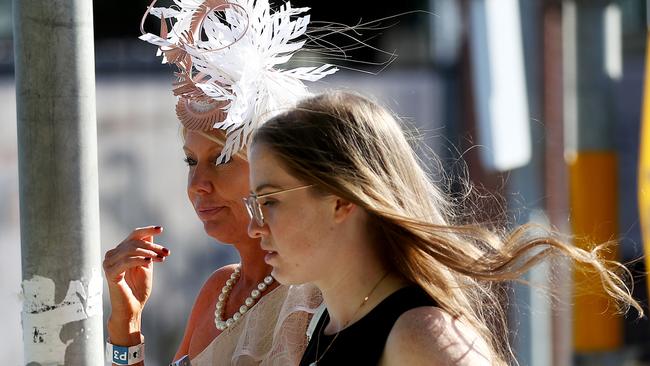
253,206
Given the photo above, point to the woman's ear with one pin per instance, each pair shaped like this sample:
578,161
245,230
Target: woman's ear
343,209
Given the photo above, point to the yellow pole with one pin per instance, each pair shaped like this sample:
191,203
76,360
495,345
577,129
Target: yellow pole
644,162
592,187
591,60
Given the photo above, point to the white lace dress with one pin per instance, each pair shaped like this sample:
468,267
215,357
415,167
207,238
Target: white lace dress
272,332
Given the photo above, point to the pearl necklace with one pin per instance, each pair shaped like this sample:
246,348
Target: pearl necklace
248,303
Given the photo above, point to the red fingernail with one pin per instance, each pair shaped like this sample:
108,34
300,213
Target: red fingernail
157,227
165,250
148,259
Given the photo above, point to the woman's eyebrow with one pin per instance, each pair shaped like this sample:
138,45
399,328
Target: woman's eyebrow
216,151
264,186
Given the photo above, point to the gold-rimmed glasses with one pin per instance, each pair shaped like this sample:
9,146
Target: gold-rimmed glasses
253,206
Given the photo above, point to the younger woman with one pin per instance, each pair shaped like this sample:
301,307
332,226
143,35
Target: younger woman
340,200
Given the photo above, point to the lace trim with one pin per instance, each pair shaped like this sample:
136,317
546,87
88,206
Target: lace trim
272,333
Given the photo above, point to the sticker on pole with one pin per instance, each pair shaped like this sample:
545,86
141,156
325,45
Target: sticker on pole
43,319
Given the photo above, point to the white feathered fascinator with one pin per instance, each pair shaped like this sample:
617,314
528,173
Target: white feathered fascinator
228,54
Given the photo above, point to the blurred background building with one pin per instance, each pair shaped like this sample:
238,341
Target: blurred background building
518,94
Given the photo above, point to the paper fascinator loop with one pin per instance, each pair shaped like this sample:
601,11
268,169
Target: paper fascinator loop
228,54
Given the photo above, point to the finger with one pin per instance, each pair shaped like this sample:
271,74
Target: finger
110,253
124,263
158,258
129,245
141,233
122,266
133,251
110,258
155,247
133,247
159,252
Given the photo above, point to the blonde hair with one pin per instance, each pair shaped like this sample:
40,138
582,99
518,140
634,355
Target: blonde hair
353,148
218,137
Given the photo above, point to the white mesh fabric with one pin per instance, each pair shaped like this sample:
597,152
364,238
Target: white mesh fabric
272,332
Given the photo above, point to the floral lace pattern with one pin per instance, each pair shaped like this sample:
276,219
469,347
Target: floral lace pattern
273,332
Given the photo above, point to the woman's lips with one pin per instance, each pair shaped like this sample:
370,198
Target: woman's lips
208,212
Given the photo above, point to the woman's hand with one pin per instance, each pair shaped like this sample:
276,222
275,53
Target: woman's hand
129,272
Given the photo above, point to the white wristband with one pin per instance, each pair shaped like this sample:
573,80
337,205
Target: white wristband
184,361
122,355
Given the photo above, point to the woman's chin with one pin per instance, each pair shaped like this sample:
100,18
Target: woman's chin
220,232
285,278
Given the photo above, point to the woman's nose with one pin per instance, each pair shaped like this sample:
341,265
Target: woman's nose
199,181
255,230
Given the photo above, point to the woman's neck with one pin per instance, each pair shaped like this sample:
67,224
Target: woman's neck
253,267
345,289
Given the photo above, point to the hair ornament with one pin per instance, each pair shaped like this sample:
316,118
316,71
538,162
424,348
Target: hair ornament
229,55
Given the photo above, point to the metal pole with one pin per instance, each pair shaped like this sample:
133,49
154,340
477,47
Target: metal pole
59,208
499,84
556,178
592,60
644,155
531,310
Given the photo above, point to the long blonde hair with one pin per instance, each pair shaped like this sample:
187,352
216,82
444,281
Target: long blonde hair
353,148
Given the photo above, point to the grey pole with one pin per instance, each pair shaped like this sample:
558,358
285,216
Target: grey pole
57,159
530,311
556,182
592,64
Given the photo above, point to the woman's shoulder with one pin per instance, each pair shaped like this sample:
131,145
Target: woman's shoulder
204,305
220,275
213,284
428,333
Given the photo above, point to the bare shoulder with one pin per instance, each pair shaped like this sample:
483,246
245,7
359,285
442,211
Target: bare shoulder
429,336
220,275
203,305
214,283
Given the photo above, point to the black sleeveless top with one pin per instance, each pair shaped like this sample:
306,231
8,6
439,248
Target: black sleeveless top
362,343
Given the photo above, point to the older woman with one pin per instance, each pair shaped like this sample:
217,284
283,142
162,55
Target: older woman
227,84
403,283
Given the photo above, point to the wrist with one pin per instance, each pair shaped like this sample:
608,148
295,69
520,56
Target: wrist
122,355
125,332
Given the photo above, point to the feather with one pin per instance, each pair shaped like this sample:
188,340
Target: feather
311,73
235,63
164,12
